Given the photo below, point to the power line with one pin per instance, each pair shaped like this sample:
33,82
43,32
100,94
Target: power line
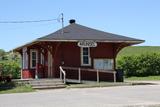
40,25
28,21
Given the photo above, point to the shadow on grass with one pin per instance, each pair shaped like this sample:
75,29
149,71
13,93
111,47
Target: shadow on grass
12,87
7,86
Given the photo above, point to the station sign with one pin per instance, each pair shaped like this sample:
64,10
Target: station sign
87,43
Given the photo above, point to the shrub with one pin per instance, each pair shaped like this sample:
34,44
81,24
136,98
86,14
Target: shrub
10,68
141,65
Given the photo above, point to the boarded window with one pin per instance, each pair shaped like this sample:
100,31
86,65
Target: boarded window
105,64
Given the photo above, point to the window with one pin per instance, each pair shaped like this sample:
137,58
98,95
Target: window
105,64
33,58
85,56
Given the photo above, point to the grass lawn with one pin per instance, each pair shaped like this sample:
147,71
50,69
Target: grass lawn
149,78
12,88
138,50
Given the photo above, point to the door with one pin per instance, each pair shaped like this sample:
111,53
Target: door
50,65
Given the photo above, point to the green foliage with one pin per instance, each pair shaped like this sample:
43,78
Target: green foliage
2,54
10,68
140,65
9,64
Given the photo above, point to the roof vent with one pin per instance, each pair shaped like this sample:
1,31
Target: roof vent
72,21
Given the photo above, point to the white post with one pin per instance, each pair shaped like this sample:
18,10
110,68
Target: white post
114,74
64,74
64,79
37,65
79,74
97,76
36,72
60,74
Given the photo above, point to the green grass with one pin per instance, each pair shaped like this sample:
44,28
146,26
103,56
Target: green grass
137,50
6,88
148,78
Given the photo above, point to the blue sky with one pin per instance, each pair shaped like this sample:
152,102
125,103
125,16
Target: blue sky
133,18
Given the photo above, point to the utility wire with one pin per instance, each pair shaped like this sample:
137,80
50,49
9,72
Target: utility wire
40,25
28,21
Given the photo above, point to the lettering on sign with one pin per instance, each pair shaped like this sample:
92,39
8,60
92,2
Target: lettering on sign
87,43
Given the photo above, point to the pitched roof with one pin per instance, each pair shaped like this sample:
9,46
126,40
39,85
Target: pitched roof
76,32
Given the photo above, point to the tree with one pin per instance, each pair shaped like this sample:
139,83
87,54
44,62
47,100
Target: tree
9,64
2,54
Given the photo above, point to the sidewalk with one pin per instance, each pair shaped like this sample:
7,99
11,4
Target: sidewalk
145,82
122,96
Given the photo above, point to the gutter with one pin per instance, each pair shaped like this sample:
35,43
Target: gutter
58,40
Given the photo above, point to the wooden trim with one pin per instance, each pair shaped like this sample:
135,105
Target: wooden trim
88,69
50,64
79,75
42,58
56,40
118,41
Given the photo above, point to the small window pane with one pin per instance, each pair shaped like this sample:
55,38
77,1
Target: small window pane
33,63
85,60
85,51
33,55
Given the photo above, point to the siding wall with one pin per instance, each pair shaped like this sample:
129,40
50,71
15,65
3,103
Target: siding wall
68,54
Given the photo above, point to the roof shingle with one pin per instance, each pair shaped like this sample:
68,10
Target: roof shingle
75,32
78,32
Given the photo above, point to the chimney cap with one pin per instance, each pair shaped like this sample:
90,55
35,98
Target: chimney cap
71,21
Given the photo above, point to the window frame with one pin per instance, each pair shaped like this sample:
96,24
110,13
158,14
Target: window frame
82,55
31,60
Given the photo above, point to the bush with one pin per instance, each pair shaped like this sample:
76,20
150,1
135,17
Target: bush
8,68
141,65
